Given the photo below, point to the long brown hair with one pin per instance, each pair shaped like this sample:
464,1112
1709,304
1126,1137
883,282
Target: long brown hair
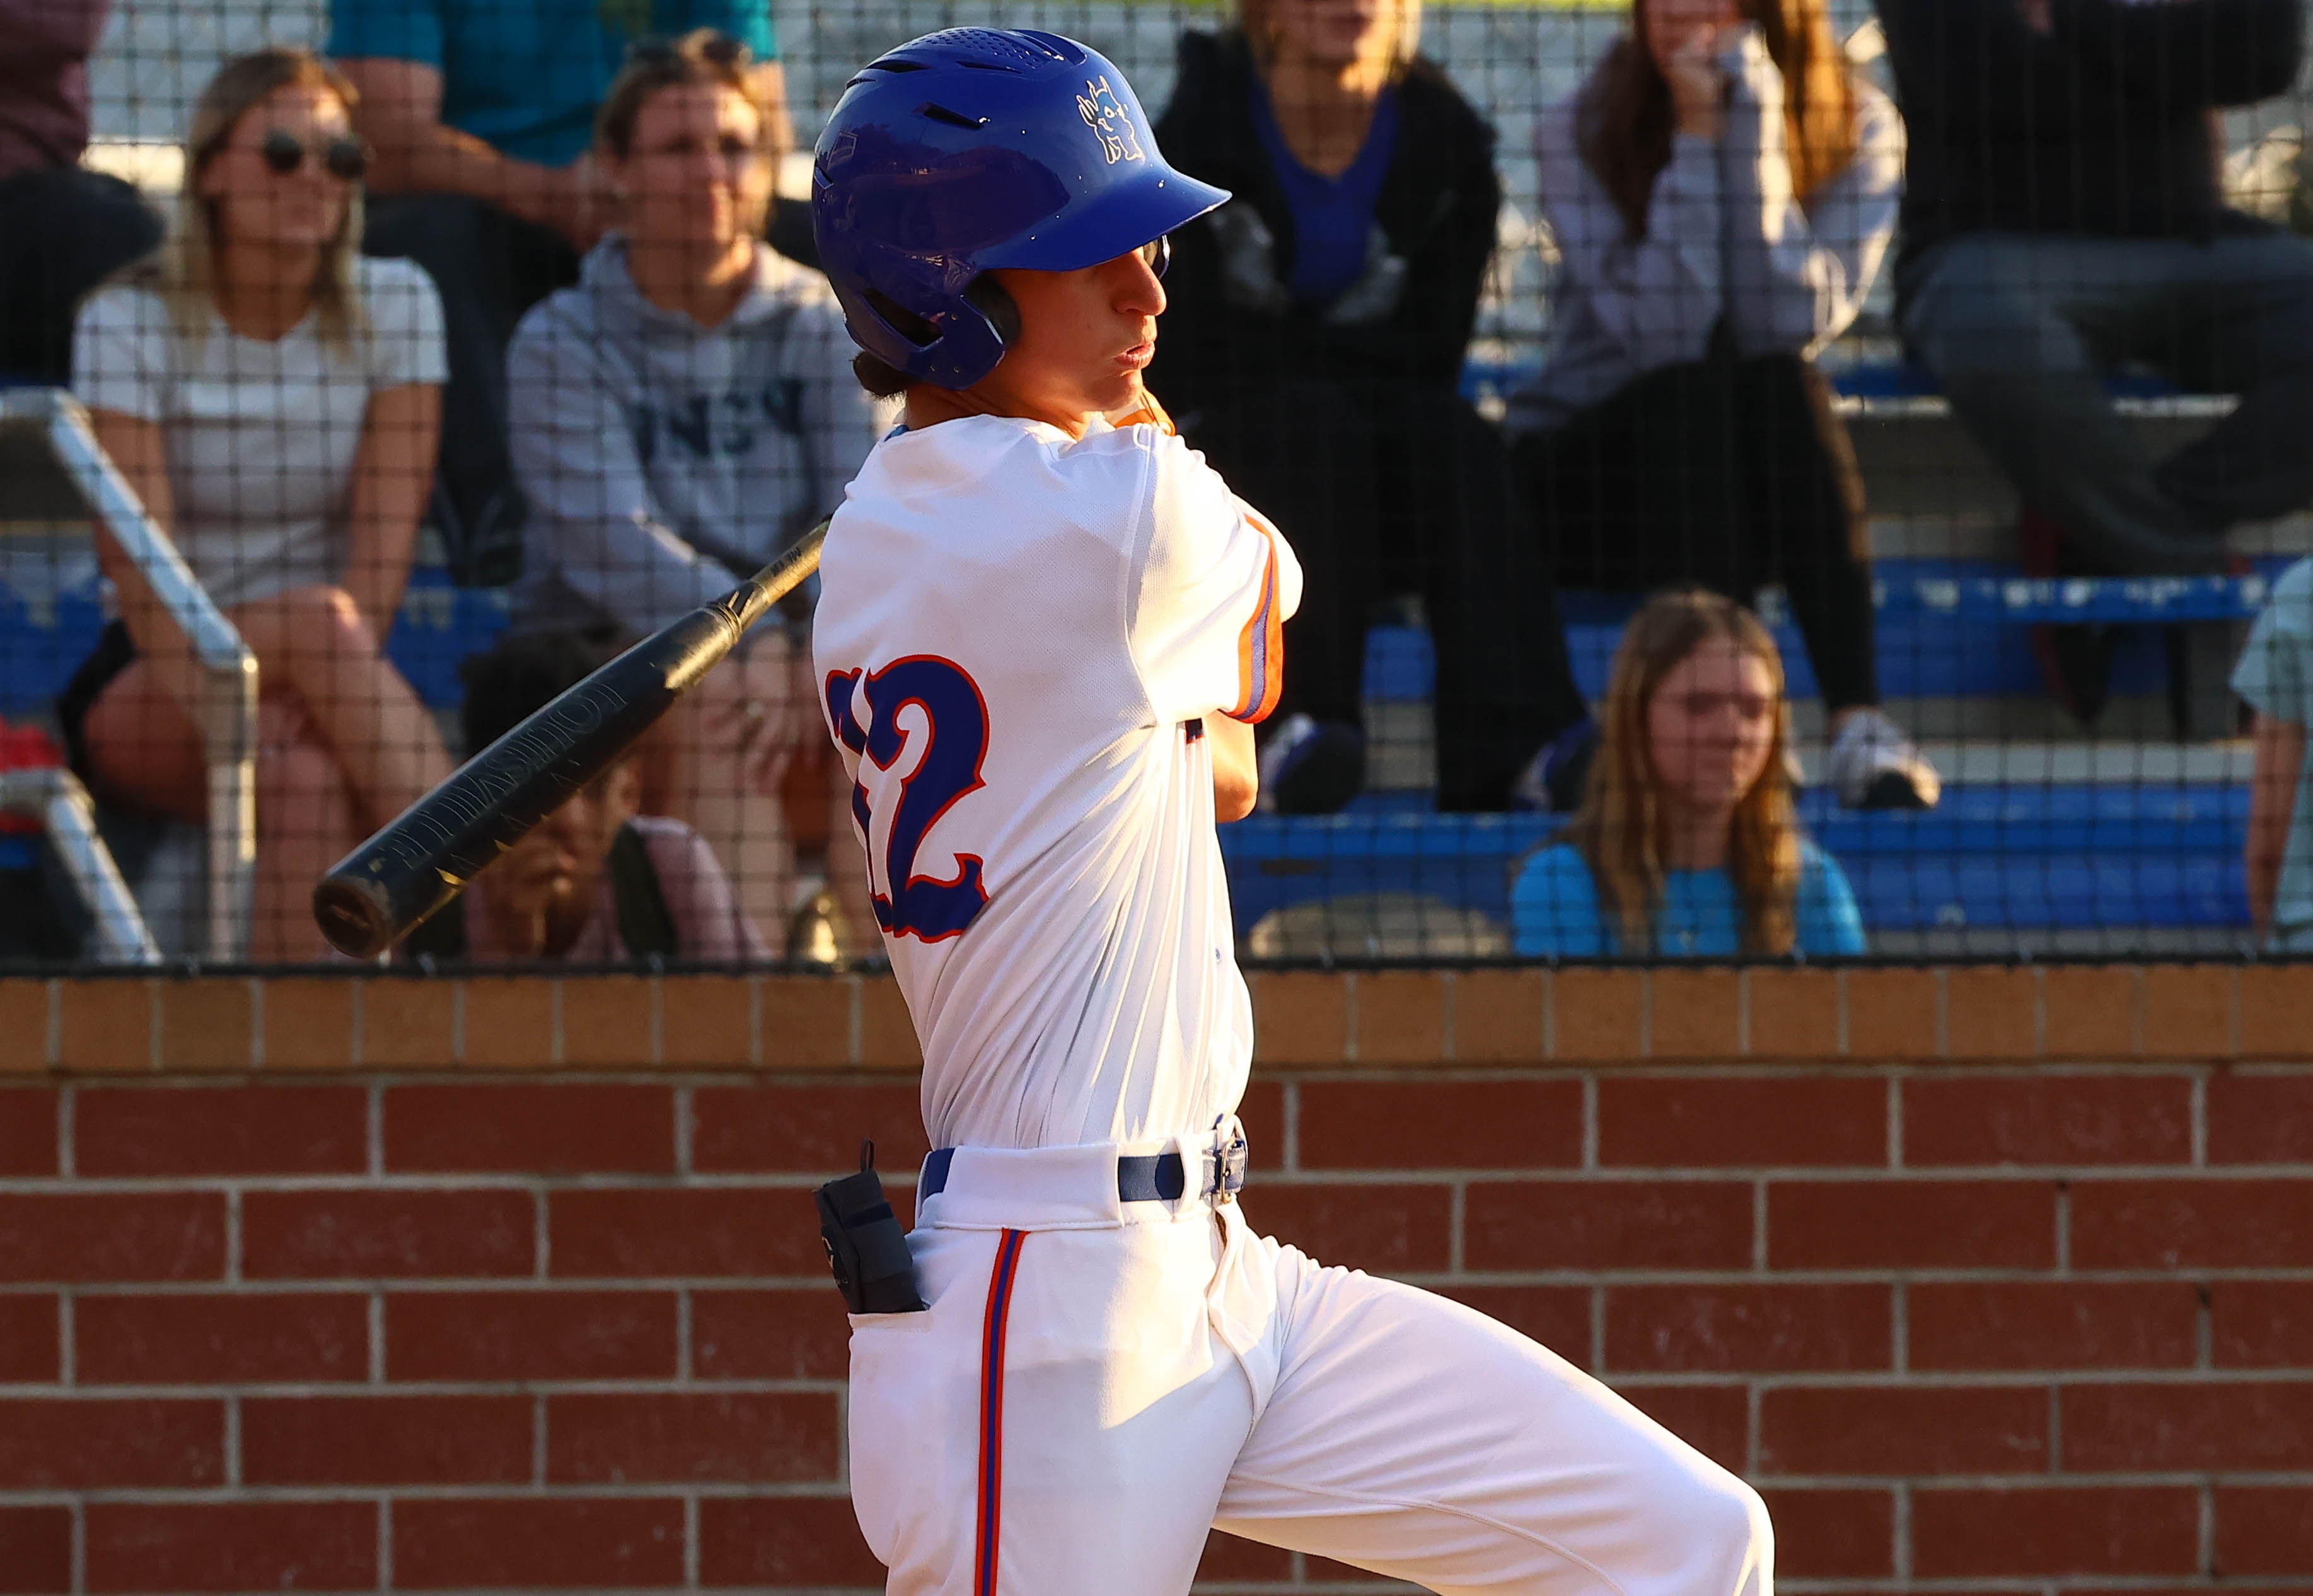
1627,118
184,271
1621,829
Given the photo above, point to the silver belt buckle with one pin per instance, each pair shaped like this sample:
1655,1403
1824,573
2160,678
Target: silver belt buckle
1230,1156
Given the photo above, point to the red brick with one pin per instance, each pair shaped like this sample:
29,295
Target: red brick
1722,1328
2168,1225
383,1441
538,1335
2054,1530
51,1444
29,1349
1231,1559
337,1235
1557,1316
79,1238
1904,1430
1263,1115
2204,1426
543,1544
1833,1534
2260,1324
1396,1230
1444,1125
2027,1324
620,1438
571,1129
35,1551
202,1340
2263,1529
28,1134
2047,1119
684,1231
1910,1225
221,1130
810,1130
2261,1118
1714,1419
797,1333
1717,1122
231,1546
808,1541
1619,1225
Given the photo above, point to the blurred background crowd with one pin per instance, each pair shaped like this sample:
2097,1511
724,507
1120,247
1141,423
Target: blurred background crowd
1775,478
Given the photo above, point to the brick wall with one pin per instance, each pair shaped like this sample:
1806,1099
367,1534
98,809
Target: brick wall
1994,1280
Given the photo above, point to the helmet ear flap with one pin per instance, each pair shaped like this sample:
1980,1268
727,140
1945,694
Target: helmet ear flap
992,300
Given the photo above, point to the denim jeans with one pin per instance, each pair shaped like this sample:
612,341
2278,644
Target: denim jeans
2020,328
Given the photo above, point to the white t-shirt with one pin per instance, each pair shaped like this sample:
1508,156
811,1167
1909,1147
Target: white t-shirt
1018,639
261,437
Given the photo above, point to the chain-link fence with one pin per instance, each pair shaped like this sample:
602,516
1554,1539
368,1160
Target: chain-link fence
362,394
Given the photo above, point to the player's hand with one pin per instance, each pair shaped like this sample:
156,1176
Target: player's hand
1698,83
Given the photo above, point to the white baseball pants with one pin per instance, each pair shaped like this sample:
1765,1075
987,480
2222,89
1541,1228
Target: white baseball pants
1097,1381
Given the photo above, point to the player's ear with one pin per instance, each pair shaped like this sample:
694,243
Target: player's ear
992,300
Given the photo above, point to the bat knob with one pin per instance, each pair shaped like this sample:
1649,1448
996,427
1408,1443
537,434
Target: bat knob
354,916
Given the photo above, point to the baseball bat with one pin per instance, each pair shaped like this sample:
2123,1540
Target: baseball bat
419,862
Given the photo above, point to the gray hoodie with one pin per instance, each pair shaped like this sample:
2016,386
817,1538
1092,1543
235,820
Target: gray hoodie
663,460
1724,237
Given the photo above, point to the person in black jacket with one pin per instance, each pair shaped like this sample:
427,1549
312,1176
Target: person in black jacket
2061,214
1313,349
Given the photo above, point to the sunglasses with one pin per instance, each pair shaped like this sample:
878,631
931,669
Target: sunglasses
345,159
1158,253
719,50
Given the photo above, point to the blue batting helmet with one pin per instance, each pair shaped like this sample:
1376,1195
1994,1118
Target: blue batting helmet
975,148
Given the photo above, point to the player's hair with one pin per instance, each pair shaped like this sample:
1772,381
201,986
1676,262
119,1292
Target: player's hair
1621,829
520,676
703,56
184,272
1627,118
1256,19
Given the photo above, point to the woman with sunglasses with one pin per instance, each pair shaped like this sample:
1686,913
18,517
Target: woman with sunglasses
1316,336
677,418
273,397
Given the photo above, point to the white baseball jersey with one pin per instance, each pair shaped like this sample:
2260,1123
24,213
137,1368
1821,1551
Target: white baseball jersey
1017,637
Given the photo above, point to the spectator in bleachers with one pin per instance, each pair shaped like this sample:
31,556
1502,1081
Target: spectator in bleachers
63,229
1687,845
2063,215
1723,190
2276,675
597,882
273,397
481,113
678,417
1312,349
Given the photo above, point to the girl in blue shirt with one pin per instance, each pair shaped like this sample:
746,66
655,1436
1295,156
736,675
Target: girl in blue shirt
1687,845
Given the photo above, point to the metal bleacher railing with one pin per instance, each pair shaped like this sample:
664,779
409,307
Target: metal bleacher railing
2050,838
56,485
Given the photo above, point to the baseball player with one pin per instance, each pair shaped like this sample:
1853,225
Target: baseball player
1042,641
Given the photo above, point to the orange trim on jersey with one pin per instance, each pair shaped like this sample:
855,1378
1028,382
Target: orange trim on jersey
1260,646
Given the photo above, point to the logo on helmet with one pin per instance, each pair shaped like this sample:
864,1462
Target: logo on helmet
1097,105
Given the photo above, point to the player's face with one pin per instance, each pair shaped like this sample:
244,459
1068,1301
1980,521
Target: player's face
1711,726
254,201
1084,339
553,870
696,176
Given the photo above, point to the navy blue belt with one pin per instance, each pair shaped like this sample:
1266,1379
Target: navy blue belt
1141,1177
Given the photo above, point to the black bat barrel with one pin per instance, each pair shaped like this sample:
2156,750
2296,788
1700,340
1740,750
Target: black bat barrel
382,890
